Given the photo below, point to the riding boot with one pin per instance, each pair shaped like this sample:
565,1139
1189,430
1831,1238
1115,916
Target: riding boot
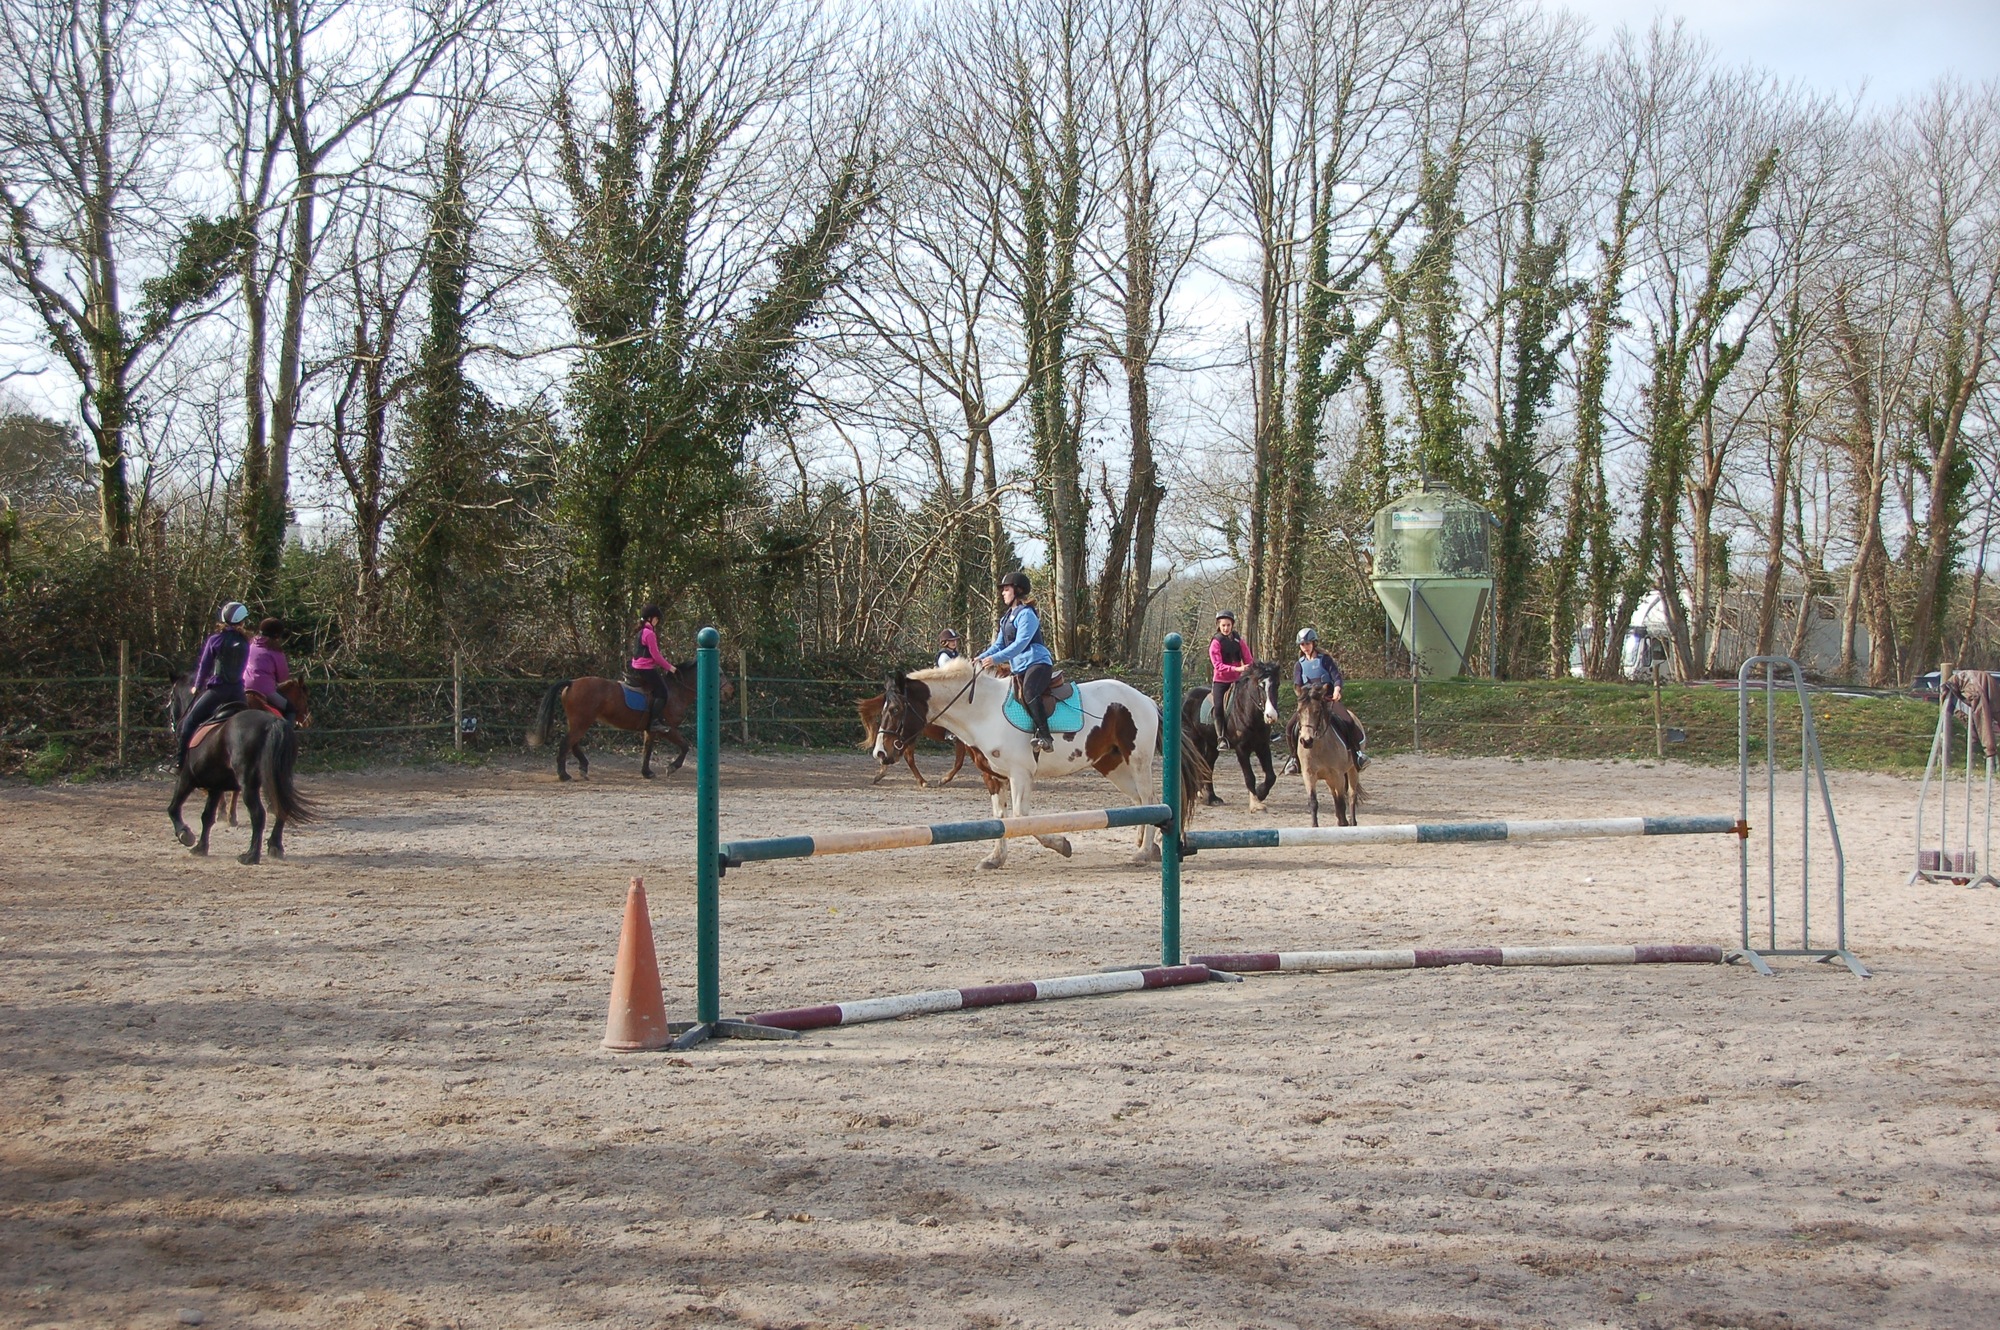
1039,709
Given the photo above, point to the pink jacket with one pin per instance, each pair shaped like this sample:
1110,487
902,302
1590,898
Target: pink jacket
652,660
265,668
1228,673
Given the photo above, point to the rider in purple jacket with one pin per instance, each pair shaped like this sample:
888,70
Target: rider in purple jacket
218,672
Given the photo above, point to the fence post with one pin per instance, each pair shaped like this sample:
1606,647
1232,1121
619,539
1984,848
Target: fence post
1659,733
707,828
457,701
743,690
124,671
1170,795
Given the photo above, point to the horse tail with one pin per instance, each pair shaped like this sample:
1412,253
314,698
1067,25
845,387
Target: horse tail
1195,775
281,751
545,721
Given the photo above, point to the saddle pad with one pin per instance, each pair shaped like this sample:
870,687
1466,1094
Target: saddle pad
1065,717
634,699
207,728
1208,710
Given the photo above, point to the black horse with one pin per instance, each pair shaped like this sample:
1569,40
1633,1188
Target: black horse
1252,709
252,752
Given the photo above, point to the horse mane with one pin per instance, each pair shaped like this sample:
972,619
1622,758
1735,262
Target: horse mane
952,671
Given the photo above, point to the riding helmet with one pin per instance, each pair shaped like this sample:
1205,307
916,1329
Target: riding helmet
649,611
949,635
1230,615
235,612
1016,579
1307,635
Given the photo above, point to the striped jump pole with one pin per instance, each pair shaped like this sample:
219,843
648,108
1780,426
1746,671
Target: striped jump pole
1468,833
989,995
1431,958
737,853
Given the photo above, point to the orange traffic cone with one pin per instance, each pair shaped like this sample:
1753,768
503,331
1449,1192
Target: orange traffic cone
637,1022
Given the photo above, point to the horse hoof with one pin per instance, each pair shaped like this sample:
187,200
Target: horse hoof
1213,802
647,774
201,850
184,836
991,862
1062,847
247,857
562,775
1256,805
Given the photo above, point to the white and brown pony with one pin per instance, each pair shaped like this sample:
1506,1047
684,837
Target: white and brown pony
1324,757
1120,735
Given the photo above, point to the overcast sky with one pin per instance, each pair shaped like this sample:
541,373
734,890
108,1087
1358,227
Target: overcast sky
1891,46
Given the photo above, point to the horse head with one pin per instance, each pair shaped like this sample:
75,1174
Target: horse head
895,718
295,693
1312,713
1267,675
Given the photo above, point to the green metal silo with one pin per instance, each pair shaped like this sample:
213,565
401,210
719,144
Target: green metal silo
1433,574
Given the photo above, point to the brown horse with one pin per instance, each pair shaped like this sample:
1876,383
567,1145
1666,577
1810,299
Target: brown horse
871,722
585,701
1323,756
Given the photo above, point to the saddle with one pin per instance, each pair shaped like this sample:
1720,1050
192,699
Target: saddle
216,722
635,699
1059,690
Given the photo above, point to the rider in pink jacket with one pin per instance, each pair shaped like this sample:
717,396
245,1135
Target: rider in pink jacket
1229,659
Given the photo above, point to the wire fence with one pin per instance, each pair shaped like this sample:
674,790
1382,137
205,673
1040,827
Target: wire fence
120,720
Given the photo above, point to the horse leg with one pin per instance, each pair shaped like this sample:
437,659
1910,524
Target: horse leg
673,733
997,856
1249,780
254,798
568,741
1270,772
183,787
646,755
1132,785
207,820
232,808
1312,789
1210,750
957,761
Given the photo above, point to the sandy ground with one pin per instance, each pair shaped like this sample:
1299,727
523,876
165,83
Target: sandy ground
363,1087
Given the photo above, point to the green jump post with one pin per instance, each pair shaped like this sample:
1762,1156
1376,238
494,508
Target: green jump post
1170,795
708,827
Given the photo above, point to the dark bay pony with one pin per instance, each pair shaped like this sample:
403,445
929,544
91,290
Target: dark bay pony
180,696
1252,707
586,700
906,743
251,752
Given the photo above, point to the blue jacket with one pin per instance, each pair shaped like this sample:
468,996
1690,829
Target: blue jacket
1323,671
1019,642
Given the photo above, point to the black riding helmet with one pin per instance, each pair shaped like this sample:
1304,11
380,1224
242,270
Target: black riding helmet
650,611
1018,580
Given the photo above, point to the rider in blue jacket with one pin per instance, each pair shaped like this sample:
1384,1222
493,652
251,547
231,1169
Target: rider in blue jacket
1315,666
1019,645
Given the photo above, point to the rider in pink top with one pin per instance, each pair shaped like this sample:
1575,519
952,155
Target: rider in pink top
648,669
266,667
1229,659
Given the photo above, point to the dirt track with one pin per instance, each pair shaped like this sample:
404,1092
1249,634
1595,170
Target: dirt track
363,1087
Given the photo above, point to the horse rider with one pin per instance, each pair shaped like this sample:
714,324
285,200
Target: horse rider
1019,645
1315,666
647,671
218,672
1229,659
948,646
265,667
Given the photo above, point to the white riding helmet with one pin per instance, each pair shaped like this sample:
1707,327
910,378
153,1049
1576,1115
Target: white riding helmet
234,612
1307,635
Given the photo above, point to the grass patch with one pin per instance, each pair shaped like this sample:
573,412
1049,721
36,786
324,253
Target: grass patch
1573,719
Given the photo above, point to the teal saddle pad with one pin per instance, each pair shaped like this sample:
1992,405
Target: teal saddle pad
1065,716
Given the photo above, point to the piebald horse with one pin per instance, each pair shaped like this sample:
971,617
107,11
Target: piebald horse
1120,735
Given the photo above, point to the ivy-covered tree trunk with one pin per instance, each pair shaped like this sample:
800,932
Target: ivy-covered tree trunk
1538,298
